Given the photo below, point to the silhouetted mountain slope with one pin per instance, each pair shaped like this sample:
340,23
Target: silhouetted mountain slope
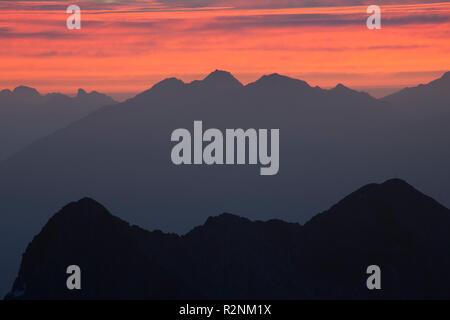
431,95
331,141
391,225
276,81
31,96
26,115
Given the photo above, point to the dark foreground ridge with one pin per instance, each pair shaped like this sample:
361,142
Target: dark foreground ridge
391,225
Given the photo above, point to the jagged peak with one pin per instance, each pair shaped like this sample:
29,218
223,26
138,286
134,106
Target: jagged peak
81,92
396,182
225,218
274,76
442,82
392,199
218,74
340,88
222,78
343,90
446,76
84,203
217,80
83,209
165,87
87,201
167,84
56,94
422,91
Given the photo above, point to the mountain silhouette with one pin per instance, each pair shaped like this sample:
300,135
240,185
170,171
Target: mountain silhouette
391,225
341,92
219,79
24,92
331,142
81,92
26,115
276,81
434,94
86,231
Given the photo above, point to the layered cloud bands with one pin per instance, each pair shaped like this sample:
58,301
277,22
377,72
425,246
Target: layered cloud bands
125,46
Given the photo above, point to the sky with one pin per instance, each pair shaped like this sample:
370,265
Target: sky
124,47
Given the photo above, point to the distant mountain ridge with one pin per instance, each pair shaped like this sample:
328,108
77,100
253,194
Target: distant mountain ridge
26,115
331,142
230,257
436,91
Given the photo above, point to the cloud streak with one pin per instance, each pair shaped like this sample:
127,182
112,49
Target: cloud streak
121,44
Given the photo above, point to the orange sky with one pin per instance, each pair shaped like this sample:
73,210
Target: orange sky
125,47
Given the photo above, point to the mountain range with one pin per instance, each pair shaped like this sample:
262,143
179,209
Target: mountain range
331,142
26,115
431,94
391,225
